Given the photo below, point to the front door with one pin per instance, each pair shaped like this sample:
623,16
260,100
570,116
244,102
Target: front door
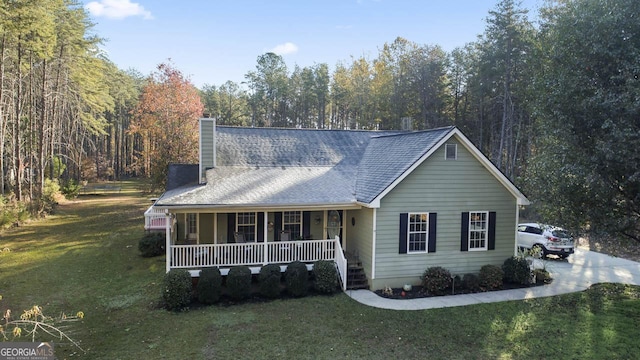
334,224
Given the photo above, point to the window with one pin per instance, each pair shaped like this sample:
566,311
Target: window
478,230
192,225
451,152
418,232
292,223
247,225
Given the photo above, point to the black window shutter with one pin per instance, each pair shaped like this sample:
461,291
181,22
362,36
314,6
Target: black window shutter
492,231
433,221
464,232
231,227
260,223
402,241
306,224
277,225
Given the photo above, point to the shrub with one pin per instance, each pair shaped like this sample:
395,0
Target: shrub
516,270
176,289
542,276
436,280
325,276
209,286
12,212
491,277
471,282
297,279
239,282
269,280
50,192
71,189
152,244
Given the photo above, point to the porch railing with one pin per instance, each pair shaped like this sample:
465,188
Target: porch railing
154,219
341,263
279,252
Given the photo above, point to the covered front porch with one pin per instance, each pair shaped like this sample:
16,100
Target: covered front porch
196,240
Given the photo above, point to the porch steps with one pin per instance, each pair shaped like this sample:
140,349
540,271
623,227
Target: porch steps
356,277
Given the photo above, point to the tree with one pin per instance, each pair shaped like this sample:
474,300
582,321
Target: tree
321,87
29,27
228,104
341,93
497,85
269,91
232,104
586,166
166,119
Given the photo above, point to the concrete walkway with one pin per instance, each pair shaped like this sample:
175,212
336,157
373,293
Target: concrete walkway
577,273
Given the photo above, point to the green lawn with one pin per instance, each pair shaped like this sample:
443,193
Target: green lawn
85,257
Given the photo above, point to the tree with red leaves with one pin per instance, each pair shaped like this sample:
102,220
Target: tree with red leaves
166,122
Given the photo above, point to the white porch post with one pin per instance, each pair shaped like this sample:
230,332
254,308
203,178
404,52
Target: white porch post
265,231
167,231
343,222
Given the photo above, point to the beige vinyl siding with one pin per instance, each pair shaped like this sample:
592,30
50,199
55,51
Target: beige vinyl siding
221,228
315,229
448,188
181,225
360,236
205,228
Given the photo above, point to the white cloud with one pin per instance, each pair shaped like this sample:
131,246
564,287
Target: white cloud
117,9
285,49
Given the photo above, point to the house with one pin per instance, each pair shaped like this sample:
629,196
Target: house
395,203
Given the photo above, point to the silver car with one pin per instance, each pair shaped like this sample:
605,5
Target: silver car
548,239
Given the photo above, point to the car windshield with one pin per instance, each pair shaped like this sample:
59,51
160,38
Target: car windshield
560,233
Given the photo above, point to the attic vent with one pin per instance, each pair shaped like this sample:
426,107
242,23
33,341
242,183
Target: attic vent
451,152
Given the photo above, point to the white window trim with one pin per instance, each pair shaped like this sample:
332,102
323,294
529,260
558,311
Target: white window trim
486,232
409,232
284,223
254,224
455,151
188,227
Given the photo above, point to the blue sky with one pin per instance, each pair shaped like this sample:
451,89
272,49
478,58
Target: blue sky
215,41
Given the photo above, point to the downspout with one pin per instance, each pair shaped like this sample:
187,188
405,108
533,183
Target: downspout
515,232
373,244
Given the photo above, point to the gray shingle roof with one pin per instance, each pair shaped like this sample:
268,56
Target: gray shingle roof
388,157
289,147
271,167
181,174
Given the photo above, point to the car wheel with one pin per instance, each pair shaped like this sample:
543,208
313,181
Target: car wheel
539,250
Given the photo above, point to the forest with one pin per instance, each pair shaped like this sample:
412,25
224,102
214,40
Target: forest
555,105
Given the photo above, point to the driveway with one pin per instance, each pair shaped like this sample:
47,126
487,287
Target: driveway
585,268
577,273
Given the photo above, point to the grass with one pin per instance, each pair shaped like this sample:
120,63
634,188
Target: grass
85,257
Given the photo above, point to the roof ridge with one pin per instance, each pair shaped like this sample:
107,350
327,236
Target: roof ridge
450,128
303,129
